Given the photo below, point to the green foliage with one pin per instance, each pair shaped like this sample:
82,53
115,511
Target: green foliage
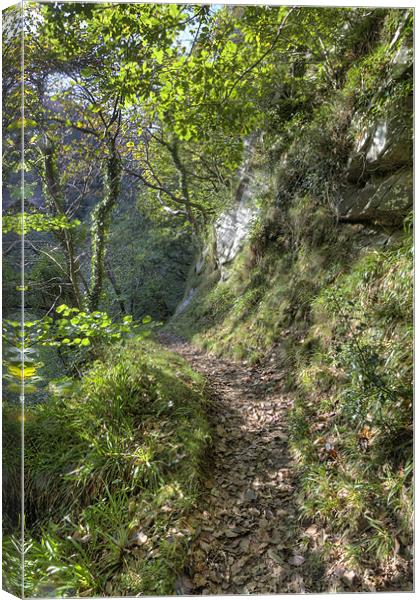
22,223
149,256
371,81
72,329
120,457
12,472
44,561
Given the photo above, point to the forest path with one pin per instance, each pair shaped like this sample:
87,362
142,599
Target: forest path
246,525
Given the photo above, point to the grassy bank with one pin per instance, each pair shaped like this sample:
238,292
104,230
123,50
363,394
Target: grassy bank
112,473
351,424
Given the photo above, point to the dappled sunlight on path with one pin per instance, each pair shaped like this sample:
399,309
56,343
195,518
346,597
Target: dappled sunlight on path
247,524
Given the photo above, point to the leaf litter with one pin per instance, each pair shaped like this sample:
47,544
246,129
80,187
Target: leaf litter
245,542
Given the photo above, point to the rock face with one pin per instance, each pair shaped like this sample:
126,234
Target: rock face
232,227
229,232
383,147
379,181
383,200
186,301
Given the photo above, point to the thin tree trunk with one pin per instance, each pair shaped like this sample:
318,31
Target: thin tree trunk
184,183
54,196
100,225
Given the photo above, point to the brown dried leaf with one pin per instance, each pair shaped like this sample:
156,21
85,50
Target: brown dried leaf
274,556
139,539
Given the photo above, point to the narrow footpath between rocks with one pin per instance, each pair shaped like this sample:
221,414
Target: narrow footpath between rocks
246,540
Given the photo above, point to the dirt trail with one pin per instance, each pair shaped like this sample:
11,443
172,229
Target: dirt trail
246,539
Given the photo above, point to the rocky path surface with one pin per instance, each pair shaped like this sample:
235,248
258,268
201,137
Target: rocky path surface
246,525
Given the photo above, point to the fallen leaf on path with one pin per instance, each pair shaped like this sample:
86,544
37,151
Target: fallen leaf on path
231,533
277,537
244,544
183,585
274,556
311,530
250,495
348,578
200,580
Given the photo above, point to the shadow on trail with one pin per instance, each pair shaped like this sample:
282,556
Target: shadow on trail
247,535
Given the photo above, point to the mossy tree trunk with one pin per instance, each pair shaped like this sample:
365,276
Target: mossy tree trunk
116,287
101,217
55,200
173,147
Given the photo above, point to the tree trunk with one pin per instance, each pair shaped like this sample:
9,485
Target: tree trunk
100,225
55,199
184,183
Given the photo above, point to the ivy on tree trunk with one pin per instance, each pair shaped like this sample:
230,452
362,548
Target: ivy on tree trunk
100,225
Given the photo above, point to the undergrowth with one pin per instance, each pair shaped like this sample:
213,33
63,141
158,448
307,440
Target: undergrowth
352,420
112,474
329,303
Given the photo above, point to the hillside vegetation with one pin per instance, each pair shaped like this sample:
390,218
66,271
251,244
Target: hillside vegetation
112,476
330,298
232,185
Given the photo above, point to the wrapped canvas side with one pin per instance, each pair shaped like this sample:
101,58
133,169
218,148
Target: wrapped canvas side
13,290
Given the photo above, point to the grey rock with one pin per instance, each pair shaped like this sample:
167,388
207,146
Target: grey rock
402,61
232,228
201,260
186,301
384,200
250,495
296,560
384,146
349,578
184,586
